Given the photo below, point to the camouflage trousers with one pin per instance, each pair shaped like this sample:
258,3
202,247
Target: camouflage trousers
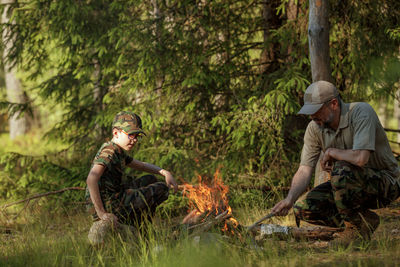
136,202
137,199
350,191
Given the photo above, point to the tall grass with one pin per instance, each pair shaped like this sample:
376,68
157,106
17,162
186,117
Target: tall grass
60,239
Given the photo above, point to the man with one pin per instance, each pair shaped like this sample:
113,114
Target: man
364,173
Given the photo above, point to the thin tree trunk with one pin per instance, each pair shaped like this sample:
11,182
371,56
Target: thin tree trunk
397,112
292,14
292,9
158,32
98,93
18,122
318,34
382,111
267,55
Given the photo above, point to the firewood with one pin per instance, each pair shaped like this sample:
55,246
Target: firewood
315,232
310,232
202,227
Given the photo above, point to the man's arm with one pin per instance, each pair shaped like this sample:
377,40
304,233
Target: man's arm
93,186
150,168
355,157
299,185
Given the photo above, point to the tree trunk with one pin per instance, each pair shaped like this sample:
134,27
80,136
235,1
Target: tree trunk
267,55
18,122
318,34
160,78
382,111
397,112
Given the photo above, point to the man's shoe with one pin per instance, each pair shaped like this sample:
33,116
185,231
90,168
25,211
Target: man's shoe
369,222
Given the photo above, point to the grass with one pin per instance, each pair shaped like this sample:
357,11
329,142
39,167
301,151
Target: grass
59,238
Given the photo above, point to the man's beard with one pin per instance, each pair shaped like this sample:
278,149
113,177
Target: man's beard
327,123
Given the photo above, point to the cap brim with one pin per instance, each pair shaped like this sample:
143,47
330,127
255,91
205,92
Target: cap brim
137,131
310,109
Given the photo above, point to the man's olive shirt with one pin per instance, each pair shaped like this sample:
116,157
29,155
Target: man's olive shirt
359,128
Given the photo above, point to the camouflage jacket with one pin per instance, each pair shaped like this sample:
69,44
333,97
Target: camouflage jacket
114,159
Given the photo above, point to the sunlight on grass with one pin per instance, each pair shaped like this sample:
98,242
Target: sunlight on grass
30,144
60,239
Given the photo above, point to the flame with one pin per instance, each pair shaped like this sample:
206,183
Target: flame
208,199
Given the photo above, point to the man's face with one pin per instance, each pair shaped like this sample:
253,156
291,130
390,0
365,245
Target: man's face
324,116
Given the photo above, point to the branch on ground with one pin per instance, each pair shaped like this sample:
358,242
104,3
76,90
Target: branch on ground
41,195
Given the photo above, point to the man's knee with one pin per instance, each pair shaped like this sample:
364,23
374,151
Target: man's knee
343,168
344,174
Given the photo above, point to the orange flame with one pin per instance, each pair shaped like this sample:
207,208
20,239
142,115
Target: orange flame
207,199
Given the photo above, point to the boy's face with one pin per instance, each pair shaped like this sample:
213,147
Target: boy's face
124,140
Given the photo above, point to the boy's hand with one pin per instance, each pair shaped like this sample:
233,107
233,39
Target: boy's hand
109,217
169,179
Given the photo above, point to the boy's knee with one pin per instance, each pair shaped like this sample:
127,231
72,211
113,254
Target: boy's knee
151,179
162,190
145,181
98,231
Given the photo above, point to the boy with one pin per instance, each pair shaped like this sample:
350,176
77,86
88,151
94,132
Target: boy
115,200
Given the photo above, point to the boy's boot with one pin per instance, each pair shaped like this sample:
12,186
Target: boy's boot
361,228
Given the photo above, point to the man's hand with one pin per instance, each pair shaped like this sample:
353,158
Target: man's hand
104,216
169,179
327,161
283,207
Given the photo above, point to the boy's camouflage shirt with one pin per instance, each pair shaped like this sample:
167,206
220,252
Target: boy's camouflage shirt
114,159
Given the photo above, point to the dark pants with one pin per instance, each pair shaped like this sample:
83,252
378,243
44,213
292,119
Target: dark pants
350,191
137,200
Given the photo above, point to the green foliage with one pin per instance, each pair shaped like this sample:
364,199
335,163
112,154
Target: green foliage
22,175
216,83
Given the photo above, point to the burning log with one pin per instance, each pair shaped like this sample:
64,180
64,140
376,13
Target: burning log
205,226
209,206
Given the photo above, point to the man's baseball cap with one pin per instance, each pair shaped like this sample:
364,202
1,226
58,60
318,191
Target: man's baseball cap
129,122
316,95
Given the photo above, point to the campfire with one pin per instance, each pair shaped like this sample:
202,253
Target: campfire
208,205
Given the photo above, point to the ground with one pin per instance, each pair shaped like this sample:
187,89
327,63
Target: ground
59,238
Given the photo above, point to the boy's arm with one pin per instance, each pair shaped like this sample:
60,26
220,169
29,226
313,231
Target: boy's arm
93,186
150,168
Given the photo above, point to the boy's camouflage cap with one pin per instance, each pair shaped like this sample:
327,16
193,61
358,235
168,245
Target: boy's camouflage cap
129,122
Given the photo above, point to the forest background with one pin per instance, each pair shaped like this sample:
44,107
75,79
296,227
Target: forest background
217,84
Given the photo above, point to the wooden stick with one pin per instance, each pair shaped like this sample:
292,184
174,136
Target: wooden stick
208,224
41,195
269,215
